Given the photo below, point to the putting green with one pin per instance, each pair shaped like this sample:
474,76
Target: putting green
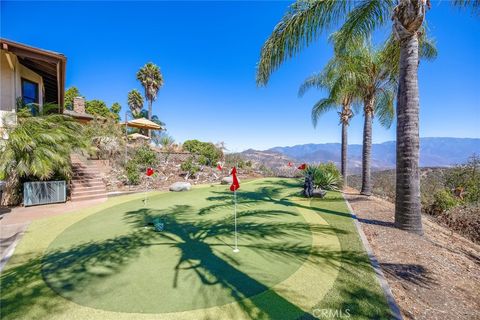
297,258
115,261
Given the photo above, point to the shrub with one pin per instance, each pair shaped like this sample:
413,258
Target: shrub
208,150
443,201
189,167
325,176
145,157
133,172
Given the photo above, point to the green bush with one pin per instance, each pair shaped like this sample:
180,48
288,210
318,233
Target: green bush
133,172
208,151
325,176
466,177
145,157
443,201
189,166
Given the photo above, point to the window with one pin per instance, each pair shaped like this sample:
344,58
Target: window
29,91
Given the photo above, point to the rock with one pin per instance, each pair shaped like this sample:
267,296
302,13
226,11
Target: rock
228,180
319,193
180,186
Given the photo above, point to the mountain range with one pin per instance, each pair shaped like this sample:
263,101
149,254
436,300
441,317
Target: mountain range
434,152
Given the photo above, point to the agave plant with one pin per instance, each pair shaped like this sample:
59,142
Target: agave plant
325,176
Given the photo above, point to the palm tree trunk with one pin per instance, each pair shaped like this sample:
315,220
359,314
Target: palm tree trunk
407,203
408,17
344,152
367,149
149,116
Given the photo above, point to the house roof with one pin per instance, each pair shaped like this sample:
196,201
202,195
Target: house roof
48,64
78,115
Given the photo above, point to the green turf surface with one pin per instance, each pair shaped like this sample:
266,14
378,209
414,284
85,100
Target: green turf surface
296,259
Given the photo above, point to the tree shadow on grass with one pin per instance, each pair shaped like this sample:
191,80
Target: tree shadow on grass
68,270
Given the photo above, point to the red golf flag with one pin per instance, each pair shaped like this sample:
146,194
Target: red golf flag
219,167
149,172
235,184
303,166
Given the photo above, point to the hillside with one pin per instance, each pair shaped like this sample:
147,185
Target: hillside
434,152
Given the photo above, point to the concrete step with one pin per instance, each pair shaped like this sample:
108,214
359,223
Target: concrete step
88,197
80,188
87,178
77,194
87,184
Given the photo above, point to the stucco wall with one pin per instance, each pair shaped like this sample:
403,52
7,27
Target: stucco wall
10,81
11,86
7,84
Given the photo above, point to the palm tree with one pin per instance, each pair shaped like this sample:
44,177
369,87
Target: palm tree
38,148
303,23
151,79
329,78
135,102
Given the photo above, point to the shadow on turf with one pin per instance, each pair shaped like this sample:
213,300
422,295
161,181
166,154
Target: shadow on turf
23,285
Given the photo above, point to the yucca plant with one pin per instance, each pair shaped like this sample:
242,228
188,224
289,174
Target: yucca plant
325,176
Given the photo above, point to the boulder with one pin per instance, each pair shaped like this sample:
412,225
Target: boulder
180,186
319,193
228,180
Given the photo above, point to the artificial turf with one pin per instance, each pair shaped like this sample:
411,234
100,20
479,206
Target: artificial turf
296,257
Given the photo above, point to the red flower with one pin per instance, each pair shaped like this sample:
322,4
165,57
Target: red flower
290,164
149,172
303,166
219,167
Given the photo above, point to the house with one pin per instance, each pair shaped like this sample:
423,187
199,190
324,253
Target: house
34,75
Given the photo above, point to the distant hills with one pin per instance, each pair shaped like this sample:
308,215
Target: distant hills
434,152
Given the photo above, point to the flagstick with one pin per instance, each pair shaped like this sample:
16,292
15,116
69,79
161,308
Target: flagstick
235,212
146,188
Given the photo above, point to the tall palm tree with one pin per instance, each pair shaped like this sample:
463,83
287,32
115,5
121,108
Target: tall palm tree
135,102
371,72
305,20
329,78
151,79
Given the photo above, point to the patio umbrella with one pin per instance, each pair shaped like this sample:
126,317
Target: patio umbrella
142,123
136,136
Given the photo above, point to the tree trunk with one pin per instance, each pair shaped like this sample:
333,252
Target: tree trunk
408,18
344,152
407,204
367,149
149,116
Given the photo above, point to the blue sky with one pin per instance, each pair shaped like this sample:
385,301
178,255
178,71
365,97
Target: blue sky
208,51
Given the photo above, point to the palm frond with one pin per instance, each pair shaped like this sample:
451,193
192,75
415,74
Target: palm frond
474,5
299,27
384,107
321,107
363,19
317,80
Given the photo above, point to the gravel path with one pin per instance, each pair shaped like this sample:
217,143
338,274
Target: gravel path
436,276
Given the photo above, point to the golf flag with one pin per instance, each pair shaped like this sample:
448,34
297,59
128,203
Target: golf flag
303,166
235,184
149,172
219,167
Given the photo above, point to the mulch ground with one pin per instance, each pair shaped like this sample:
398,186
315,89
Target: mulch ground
436,276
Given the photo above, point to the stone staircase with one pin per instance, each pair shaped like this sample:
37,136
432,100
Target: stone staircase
87,181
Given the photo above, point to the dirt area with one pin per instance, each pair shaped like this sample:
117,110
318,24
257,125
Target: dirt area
436,276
